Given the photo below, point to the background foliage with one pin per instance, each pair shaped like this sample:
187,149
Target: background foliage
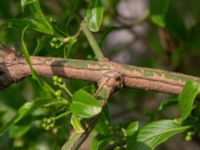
40,113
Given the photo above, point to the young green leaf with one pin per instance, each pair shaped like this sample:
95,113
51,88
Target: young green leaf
158,9
154,133
26,2
186,98
39,22
39,19
77,124
99,142
40,43
24,110
132,128
102,126
84,105
25,52
18,131
68,47
95,15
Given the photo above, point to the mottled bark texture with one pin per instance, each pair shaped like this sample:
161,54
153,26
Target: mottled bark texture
14,68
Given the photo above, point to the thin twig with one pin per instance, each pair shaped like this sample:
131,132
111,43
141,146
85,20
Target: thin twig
93,43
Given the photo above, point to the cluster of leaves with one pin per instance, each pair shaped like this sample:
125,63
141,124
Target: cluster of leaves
58,111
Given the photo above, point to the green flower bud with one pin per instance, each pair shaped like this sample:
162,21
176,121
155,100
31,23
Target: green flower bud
44,120
55,82
117,148
58,93
51,125
188,138
190,133
58,97
60,80
55,78
56,42
47,128
43,125
49,121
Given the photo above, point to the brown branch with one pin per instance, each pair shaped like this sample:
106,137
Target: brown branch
110,82
13,68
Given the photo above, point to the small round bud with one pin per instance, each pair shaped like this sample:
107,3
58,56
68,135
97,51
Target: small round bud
52,44
51,125
49,121
188,138
58,93
43,125
190,133
89,57
117,148
44,120
55,82
60,80
47,128
55,78
58,97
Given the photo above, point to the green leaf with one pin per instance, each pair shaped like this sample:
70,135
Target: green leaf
25,52
133,145
186,98
26,2
40,43
95,15
99,142
167,103
102,126
132,128
174,22
84,105
39,19
158,9
68,47
77,124
39,22
24,110
154,133
18,131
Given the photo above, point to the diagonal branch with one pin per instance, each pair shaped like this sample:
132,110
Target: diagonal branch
14,68
110,82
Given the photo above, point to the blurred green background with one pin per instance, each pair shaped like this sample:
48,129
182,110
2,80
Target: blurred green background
132,33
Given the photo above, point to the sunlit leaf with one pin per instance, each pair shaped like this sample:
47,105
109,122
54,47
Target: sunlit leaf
68,47
187,97
99,142
132,128
38,22
158,9
77,124
18,131
24,110
95,15
26,2
155,133
84,105
25,52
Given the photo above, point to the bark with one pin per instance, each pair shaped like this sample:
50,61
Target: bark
14,68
